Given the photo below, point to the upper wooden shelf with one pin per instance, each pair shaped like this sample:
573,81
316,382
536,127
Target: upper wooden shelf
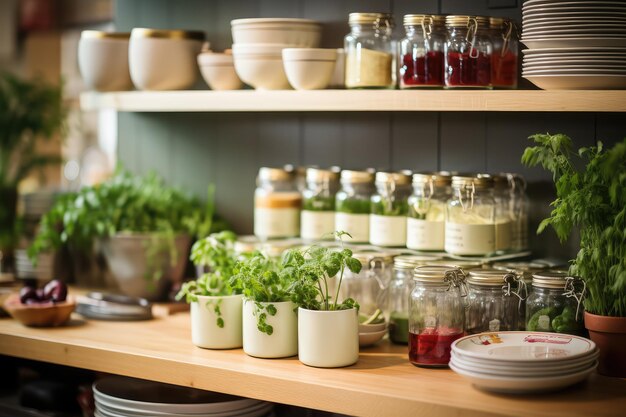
382,383
357,100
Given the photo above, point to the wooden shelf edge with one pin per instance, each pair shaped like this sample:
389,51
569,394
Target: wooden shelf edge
357,100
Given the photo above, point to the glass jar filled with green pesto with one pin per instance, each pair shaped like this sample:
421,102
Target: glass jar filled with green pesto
352,204
425,227
555,304
389,209
317,219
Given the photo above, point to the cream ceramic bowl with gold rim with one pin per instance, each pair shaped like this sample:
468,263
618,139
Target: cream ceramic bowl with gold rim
103,60
164,59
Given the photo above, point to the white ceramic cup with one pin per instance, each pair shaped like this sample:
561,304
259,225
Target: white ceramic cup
205,331
283,341
309,68
103,60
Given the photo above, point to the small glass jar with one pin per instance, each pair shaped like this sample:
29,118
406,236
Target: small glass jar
425,225
468,52
277,204
353,205
519,212
317,219
368,287
370,51
555,304
399,292
494,301
505,52
437,314
504,213
470,217
421,58
389,209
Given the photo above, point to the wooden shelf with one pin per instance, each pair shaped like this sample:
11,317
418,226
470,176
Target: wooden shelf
357,100
382,383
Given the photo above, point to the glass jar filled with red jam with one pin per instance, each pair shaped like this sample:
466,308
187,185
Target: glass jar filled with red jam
505,53
468,51
436,314
421,52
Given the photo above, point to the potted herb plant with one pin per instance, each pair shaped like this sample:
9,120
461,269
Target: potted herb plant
328,330
270,323
29,111
216,307
143,227
592,199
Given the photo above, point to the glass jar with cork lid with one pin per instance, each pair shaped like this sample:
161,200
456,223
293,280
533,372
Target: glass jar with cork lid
352,204
317,219
277,204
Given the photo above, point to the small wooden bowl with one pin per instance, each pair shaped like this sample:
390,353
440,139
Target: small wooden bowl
39,315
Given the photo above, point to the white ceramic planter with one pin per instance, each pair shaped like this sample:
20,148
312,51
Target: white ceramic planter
205,332
328,339
103,60
283,342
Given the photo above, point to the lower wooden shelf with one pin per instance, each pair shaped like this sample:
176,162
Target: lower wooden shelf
382,383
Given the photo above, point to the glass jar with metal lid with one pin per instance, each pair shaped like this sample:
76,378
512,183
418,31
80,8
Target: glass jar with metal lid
463,264
353,205
494,301
437,314
399,292
425,228
505,52
421,52
317,219
555,304
277,204
468,52
369,286
504,210
370,51
470,216
389,209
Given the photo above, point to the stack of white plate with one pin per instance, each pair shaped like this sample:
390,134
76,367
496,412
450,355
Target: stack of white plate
523,362
25,269
575,44
121,397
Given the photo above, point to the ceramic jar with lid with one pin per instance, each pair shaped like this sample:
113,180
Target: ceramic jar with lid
277,204
421,59
353,205
370,51
437,314
427,207
317,219
468,52
389,209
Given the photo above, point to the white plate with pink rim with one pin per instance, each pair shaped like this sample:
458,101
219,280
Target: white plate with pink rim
524,346
530,367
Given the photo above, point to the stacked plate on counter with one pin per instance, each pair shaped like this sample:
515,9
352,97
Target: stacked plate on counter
575,44
523,362
121,397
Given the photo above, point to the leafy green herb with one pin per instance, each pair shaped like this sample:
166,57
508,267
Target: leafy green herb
318,203
385,207
594,200
311,270
345,204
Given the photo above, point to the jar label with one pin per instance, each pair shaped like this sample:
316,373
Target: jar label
494,325
317,224
503,234
424,234
358,225
543,323
387,230
470,239
276,222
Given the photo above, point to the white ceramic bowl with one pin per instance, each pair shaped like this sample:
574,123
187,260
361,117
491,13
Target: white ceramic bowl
218,70
292,32
309,68
164,59
261,66
103,60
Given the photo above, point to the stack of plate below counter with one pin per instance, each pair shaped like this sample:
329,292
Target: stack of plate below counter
523,362
122,397
575,44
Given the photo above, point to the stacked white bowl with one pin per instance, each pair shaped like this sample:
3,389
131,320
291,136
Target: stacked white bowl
258,45
523,362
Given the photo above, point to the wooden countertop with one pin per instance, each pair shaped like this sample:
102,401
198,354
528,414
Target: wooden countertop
382,383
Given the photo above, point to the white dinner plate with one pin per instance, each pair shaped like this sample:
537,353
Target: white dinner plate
533,66
574,33
585,18
489,364
600,42
524,346
587,50
572,71
510,385
259,409
519,373
553,3
584,59
569,15
578,82
564,24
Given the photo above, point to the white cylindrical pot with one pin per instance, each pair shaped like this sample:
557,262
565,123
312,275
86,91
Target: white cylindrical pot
328,339
283,341
205,331
103,60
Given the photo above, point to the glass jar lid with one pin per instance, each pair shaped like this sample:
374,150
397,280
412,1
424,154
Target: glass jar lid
439,20
275,174
367,258
497,22
469,180
456,263
499,181
438,179
439,274
378,19
167,34
321,175
99,34
399,178
481,22
413,261
549,279
417,19
361,177
520,266
490,277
